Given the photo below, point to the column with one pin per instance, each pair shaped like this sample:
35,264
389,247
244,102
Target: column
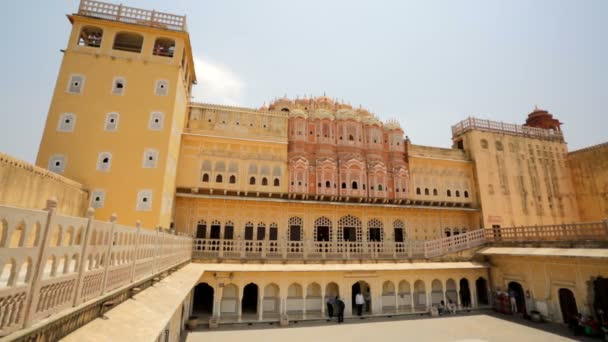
396,297
304,296
458,301
217,302
323,301
412,291
260,303
239,304
429,295
473,290
347,298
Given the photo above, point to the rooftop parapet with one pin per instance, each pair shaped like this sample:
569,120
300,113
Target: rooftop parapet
471,124
132,15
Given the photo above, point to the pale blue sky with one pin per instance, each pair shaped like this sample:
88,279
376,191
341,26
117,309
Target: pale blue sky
428,64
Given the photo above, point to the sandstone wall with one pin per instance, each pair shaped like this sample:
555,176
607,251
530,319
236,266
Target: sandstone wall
590,176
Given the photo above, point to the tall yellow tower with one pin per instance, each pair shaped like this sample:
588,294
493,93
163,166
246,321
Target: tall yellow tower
118,109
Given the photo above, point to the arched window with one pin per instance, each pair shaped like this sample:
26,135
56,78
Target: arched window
466,194
232,179
327,184
417,191
449,193
276,182
164,47
295,229
499,146
426,191
90,36
434,192
457,193
351,138
355,185
252,181
219,179
343,185
379,187
206,178
128,41
484,143
264,181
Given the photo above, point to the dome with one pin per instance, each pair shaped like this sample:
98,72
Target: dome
322,114
371,120
298,113
346,114
392,124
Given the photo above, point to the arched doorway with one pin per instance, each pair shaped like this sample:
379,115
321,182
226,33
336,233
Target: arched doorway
567,304
203,300
465,293
517,291
363,288
481,286
250,299
600,297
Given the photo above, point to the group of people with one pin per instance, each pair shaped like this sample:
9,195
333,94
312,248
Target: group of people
449,308
92,39
587,325
335,306
160,50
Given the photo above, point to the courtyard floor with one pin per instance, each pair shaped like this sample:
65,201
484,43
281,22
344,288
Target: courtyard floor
479,327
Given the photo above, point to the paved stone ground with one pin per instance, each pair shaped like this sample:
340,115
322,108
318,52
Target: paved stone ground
460,328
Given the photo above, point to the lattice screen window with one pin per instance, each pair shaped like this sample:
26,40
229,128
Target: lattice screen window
156,121
161,88
296,231
76,84
375,230
347,222
111,123
248,233
229,230
273,233
323,223
57,163
215,229
261,231
398,224
66,123
201,229
98,197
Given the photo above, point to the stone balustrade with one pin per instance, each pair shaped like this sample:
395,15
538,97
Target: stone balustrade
390,250
52,262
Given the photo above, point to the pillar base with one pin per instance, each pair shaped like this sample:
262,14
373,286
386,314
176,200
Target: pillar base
284,321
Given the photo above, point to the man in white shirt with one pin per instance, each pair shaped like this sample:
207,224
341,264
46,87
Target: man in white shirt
359,301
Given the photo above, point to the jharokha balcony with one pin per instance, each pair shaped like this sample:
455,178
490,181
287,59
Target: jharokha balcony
308,250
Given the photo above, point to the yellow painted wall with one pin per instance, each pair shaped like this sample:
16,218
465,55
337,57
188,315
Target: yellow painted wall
544,276
442,170
420,223
590,176
521,181
82,146
229,141
28,186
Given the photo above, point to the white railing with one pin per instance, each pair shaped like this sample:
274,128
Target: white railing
51,262
132,15
501,127
410,249
334,250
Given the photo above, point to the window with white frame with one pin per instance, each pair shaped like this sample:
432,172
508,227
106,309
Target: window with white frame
156,121
67,121
104,161
118,86
57,163
111,123
161,88
76,84
150,158
144,200
98,197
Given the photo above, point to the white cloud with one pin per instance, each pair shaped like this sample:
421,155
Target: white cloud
216,83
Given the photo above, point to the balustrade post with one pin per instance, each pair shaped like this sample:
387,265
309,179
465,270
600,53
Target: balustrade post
347,246
284,248
119,14
83,257
107,254
157,250
135,251
221,246
39,263
409,249
305,244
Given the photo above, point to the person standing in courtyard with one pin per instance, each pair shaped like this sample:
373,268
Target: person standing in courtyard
330,306
339,309
359,301
513,301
